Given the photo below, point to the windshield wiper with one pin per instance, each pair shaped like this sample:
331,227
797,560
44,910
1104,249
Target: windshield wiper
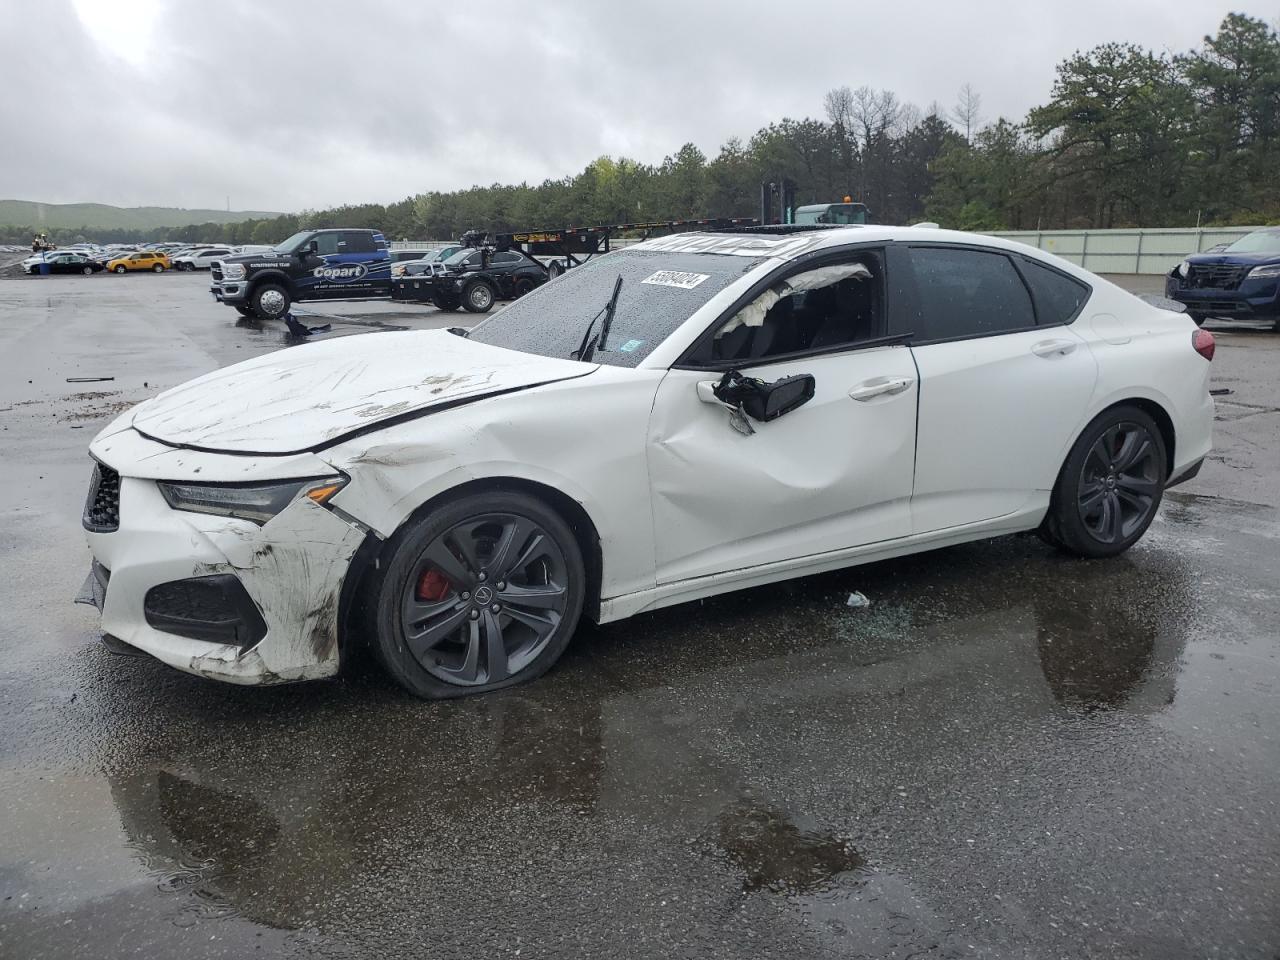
587,348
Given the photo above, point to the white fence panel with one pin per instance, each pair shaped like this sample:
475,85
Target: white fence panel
1127,251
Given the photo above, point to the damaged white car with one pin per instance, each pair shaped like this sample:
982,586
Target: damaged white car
691,415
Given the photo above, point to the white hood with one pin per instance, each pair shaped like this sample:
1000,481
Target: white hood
312,395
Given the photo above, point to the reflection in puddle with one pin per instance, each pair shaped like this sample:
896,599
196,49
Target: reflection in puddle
776,855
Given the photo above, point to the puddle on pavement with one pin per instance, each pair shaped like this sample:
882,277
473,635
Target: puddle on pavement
774,854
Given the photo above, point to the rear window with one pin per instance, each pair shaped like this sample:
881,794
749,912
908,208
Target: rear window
1058,297
660,290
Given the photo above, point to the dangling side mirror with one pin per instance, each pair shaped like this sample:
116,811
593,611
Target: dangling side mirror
765,401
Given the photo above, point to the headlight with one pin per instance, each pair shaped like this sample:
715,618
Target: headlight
233,271
1264,271
258,502
1184,268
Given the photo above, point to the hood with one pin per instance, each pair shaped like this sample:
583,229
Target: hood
314,395
1242,259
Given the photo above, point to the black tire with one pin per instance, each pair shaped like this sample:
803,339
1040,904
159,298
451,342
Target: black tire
158,268
459,621
478,296
270,301
121,269
554,269
1110,486
446,303
522,286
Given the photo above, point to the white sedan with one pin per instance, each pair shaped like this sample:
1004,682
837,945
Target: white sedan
688,416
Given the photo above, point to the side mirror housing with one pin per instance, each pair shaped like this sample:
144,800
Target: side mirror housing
313,247
765,401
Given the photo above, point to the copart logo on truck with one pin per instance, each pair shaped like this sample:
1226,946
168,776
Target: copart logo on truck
340,272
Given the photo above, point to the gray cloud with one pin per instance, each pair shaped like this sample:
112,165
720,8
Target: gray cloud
291,105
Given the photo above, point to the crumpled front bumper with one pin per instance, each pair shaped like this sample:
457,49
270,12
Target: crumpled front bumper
292,569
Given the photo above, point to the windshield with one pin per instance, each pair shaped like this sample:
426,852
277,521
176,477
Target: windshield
660,290
292,243
1260,241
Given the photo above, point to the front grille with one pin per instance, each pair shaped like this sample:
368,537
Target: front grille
102,508
1216,276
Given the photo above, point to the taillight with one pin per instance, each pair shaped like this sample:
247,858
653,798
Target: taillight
1202,343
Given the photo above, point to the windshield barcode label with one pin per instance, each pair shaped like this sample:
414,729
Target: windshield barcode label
675,278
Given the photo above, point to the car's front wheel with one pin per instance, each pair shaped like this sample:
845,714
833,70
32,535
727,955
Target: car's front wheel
270,301
1110,487
120,269
444,302
158,268
482,593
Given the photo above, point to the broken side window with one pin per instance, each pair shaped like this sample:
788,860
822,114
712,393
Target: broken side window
823,308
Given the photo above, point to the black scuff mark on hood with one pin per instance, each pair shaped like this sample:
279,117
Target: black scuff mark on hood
359,431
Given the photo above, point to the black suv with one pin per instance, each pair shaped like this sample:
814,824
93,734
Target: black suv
310,265
473,278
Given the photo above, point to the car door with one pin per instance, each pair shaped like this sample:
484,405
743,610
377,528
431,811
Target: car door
832,474
1002,391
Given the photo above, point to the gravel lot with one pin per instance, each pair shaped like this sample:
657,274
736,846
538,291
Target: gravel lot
1008,754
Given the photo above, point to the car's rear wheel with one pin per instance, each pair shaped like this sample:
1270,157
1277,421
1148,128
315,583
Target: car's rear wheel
478,297
158,268
270,301
87,271
482,593
522,286
1110,487
120,268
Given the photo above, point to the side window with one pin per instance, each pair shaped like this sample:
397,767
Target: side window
139,256
1058,297
967,293
506,257
359,242
819,309
473,260
327,243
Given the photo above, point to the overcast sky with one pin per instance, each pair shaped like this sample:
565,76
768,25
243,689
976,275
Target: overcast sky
289,105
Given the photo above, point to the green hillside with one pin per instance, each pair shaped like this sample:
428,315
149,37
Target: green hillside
60,216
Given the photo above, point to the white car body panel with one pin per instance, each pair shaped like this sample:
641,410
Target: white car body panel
269,404
834,472
683,506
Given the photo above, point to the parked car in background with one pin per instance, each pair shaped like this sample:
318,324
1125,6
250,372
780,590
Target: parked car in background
74,263
416,268
688,416
143,260
1240,281
473,278
199,259
32,263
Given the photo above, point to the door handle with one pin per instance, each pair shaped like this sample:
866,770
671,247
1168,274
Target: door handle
879,387
1053,348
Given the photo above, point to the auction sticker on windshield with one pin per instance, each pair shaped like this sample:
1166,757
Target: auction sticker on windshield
676,278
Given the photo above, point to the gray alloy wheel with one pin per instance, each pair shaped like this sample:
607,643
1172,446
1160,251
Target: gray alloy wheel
120,268
87,271
1110,486
483,593
478,297
158,268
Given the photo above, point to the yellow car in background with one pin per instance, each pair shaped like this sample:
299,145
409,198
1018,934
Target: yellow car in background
146,260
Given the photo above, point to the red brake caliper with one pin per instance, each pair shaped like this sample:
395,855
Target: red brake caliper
433,585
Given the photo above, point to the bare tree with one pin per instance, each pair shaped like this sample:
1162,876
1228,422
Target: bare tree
838,104
967,112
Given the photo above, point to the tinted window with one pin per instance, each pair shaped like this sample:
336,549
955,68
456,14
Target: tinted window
327,243
967,293
819,309
660,290
1058,297
505,258
359,242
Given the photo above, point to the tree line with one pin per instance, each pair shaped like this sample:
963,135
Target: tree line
1129,137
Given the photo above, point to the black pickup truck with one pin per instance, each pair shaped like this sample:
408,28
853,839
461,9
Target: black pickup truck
311,265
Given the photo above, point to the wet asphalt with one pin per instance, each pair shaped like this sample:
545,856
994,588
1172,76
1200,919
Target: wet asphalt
1009,753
